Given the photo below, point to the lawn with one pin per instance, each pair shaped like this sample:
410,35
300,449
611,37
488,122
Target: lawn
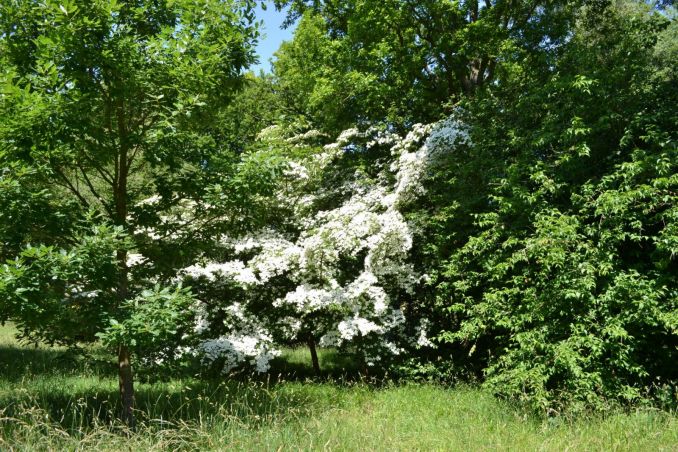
54,400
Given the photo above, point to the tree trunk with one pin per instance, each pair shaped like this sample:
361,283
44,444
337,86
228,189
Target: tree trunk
126,378
314,354
126,381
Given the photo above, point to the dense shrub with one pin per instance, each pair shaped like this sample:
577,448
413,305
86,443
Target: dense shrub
565,289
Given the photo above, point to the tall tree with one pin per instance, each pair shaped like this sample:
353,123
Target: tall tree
405,61
109,103
560,281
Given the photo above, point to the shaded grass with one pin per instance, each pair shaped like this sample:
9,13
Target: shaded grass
294,364
50,400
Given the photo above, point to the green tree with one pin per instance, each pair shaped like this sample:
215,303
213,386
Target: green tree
112,107
405,61
256,106
561,284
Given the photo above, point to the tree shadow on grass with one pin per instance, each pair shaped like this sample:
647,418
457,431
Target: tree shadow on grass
164,405
338,368
293,366
18,363
77,391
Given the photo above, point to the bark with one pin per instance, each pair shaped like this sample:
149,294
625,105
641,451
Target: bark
126,381
126,378
314,354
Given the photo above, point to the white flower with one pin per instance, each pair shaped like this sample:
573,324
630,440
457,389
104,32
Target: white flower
352,327
153,200
422,331
135,259
364,241
308,299
235,270
248,343
296,171
236,350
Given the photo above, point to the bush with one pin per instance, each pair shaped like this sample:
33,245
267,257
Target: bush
564,289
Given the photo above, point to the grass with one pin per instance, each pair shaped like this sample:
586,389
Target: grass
53,400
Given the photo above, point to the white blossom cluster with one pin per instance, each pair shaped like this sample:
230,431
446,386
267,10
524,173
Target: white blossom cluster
368,225
306,137
234,270
297,171
135,259
78,292
247,343
236,349
177,220
411,164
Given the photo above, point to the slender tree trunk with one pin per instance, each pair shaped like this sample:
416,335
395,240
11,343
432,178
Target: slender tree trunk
314,354
126,377
126,381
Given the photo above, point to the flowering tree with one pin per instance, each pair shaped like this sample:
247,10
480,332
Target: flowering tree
334,275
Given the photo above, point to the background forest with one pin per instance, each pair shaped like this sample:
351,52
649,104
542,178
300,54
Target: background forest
467,192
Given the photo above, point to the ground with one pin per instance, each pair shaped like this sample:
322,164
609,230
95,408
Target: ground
55,400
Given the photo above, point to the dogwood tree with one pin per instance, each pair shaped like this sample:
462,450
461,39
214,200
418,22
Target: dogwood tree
337,271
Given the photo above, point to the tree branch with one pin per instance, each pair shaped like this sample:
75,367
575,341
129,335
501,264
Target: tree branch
95,193
73,190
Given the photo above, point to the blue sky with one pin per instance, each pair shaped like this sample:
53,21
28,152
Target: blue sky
272,37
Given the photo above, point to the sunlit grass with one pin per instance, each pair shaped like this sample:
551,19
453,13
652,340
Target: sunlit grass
52,400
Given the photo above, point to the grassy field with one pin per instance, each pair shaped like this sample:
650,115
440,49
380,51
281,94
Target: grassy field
53,400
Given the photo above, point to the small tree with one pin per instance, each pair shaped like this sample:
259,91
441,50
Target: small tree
109,103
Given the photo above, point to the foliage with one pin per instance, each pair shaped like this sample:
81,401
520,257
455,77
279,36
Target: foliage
565,286
336,271
107,104
401,61
62,296
150,321
503,179
29,212
115,107
255,107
